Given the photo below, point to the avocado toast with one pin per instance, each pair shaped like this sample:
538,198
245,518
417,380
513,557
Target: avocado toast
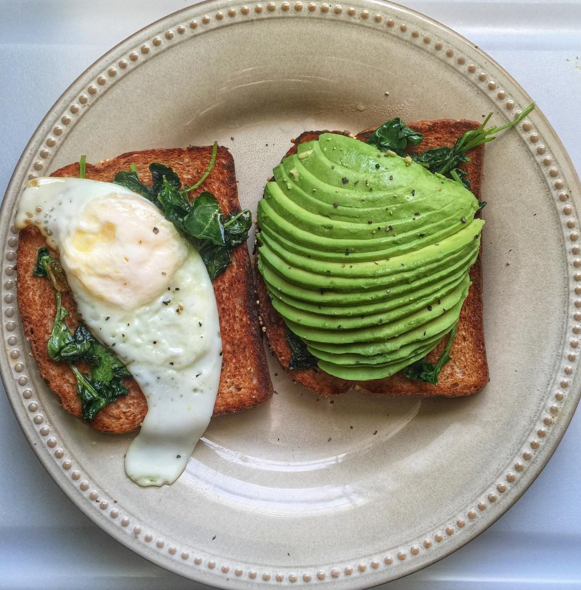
244,380
355,305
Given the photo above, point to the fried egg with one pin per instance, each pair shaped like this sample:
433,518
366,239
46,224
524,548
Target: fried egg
144,292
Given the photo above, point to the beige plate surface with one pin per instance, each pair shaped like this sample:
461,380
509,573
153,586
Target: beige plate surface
357,491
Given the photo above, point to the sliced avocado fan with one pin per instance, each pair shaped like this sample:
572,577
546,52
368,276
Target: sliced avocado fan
365,255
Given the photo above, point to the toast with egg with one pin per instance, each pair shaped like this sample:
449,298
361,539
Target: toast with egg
467,371
244,381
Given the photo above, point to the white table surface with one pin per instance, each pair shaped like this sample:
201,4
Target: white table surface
45,541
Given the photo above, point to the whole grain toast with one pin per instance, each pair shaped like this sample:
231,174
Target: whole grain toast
244,381
467,372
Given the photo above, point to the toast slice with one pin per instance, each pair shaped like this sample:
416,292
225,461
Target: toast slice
244,381
467,372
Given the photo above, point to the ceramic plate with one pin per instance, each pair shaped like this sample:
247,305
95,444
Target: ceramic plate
354,491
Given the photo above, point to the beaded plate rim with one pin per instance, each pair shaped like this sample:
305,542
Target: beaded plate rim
550,425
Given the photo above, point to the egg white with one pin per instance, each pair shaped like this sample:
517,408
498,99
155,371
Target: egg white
144,292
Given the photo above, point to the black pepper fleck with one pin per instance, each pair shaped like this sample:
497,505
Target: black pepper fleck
344,180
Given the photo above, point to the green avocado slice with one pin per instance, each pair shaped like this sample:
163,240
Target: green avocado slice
340,256
358,359
350,284
330,186
392,310
312,201
363,159
371,372
440,325
330,163
382,267
409,217
406,211
288,224
355,190
385,331
321,322
326,297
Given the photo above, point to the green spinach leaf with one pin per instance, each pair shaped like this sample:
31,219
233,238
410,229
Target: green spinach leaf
95,395
47,267
440,160
130,180
446,161
174,204
105,366
78,346
43,258
236,228
301,358
394,135
60,335
233,229
423,370
107,372
216,259
161,171
204,220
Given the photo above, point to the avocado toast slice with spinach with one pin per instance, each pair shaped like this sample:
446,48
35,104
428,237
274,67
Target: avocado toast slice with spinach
369,361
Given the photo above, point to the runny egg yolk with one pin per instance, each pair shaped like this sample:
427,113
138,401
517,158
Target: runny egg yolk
121,249
144,292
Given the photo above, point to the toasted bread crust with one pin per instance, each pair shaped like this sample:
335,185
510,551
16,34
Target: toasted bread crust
244,381
467,372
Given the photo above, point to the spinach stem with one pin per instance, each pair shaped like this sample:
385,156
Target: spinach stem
208,169
83,167
482,134
133,167
235,217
